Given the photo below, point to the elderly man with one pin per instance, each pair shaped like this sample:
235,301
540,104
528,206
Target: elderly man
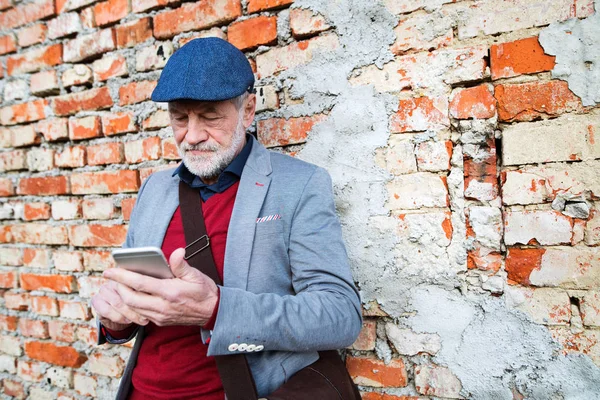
274,237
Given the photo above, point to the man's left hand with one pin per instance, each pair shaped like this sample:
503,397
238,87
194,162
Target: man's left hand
188,299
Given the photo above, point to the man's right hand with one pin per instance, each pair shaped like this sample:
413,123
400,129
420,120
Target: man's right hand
111,311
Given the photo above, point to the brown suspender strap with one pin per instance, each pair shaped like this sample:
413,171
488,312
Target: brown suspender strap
233,369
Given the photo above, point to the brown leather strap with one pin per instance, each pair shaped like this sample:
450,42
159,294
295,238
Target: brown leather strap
233,369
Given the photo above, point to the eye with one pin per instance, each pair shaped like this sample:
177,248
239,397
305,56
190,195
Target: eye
179,117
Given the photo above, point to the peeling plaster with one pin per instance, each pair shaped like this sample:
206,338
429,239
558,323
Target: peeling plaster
576,45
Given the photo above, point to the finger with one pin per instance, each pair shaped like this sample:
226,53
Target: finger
139,300
106,311
117,303
181,269
138,282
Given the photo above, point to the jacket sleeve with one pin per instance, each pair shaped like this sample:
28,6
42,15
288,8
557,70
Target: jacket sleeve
324,313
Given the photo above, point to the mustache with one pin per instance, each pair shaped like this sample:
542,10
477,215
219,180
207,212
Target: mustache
199,147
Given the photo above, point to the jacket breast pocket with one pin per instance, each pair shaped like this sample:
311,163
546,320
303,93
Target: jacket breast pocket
269,228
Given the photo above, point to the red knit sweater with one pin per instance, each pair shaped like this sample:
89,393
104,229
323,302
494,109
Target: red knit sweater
172,363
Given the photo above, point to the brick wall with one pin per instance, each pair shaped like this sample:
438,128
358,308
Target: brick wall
485,186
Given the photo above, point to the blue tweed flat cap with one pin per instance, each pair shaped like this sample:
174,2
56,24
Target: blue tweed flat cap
207,69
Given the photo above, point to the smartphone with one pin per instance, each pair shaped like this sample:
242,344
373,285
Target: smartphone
143,260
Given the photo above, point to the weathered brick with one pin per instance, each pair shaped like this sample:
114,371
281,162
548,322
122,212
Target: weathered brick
262,5
109,67
87,18
78,75
53,129
253,32
529,101
127,208
418,190
7,44
36,211
61,331
408,342
367,336
283,58
8,279
11,256
24,112
8,364
60,377
26,13
103,208
40,159
477,102
89,286
134,32
399,156
524,56
16,90
53,283
33,34
13,388
156,120
30,371
578,342
10,345
89,46
136,92
35,258
8,322
33,328
537,227
212,32
16,301
119,122
305,22
153,57
64,25
195,16
410,34
23,136
85,128
102,364
43,186
83,384
70,5
592,229
34,60
544,305
89,100
13,160
405,6
434,156
420,114
110,11
105,182
39,234
368,371
44,83
282,132
58,355
142,150
105,153
266,98
44,305
66,209
590,308
97,235
519,187
437,381
74,310
70,157
67,261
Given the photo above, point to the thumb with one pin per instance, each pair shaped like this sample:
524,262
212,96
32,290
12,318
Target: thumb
181,269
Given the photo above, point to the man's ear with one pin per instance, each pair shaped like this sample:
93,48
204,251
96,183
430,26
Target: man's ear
249,110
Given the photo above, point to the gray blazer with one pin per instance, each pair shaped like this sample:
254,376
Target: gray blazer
287,288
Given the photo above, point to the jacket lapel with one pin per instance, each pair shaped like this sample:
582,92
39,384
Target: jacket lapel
253,188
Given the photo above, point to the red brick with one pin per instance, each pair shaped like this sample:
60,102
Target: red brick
97,235
261,5
6,187
24,112
74,310
282,132
26,13
521,262
53,129
43,186
35,258
383,396
87,18
61,331
170,150
305,22
109,67
105,182
64,25
142,150
13,389
367,336
119,122
13,160
6,235
420,114
4,4
368,371
36,211
16,301
58,355
136,92
484,260
85,128
33,328
90,45
53,283
158,119
530,101
87,335
477,102
70,157
44,83
34,60
253,32
89,100
8,322
7,44
127,208
24,135
8,279
33,233
134,32
110,11
524,56
95,260
44,305
30,371
105,153
195,16
33,34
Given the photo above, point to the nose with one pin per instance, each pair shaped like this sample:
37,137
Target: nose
196,132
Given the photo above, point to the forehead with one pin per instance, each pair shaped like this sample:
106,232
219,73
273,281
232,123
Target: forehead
200,106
